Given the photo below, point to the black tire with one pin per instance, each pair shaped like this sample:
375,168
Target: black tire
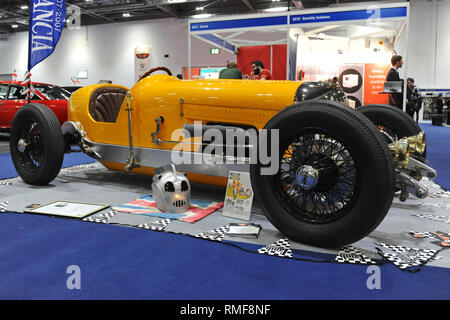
41,159
398,123
373,172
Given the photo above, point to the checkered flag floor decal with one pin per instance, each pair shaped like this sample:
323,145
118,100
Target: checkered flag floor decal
216,234
280,248
404,257
159,225
3,206
349,254
103,218
440,238
445,219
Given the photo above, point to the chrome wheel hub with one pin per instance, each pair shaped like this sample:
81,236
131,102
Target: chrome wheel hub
307,177
21,145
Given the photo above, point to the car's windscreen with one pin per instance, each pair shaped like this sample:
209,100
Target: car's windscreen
17,92
52,92
3,91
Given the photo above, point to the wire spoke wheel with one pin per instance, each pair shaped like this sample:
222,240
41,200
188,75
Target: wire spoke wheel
36,144
31,146
335,179
317,179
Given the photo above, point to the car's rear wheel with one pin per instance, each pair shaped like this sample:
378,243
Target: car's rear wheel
335,181
392,122
36,144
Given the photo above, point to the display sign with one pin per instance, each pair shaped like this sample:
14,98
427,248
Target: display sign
374,78
349,15
82,74
141,61
210,73
240,23
352,81
214,51
238,196
68,209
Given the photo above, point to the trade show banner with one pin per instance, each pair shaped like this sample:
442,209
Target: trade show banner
247,55
46,24
141,61
374,78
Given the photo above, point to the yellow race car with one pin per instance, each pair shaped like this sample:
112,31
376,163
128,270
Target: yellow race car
323,173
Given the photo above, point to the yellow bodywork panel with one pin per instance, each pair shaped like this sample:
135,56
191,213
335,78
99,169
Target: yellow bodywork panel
179,102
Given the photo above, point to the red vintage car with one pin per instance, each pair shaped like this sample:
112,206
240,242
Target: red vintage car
13,97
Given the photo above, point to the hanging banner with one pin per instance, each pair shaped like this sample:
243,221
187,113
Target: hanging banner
141,61
46,23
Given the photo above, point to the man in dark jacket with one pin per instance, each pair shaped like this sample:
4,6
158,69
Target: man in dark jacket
413,96
395,99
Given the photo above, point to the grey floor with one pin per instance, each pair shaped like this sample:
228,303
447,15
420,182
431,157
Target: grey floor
4,143
93,183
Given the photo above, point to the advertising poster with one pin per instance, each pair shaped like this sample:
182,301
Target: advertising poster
374,78
351,79
141,61
238,196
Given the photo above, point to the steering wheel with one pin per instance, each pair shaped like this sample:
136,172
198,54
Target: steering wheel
155,69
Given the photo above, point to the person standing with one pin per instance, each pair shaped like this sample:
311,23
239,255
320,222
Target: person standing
231,71
395,99
413,96
259,73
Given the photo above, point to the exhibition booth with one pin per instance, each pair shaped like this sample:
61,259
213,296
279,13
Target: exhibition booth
354,44
189,187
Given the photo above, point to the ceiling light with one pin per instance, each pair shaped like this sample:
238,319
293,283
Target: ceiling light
275,0
199,8
15,26
126,14
276,9
202,16
24,7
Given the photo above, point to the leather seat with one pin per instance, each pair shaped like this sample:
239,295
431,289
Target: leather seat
105,103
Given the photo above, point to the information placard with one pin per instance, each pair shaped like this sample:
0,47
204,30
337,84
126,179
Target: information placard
238,196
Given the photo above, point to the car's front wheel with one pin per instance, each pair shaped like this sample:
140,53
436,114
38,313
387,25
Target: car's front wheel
336,179
36,144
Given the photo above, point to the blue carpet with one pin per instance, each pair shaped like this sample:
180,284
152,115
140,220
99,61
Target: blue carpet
127,263
7,169
438,152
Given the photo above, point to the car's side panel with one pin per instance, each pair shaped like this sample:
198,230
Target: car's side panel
11,104
179,102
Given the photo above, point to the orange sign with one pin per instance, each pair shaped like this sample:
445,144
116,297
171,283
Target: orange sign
374,78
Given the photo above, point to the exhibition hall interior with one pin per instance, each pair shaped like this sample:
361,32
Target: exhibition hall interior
224,150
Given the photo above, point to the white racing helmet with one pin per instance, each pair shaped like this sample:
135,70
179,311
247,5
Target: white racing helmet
171,191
